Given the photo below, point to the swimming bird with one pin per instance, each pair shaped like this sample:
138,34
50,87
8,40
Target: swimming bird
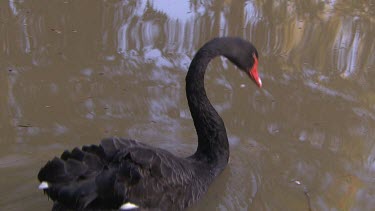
128,174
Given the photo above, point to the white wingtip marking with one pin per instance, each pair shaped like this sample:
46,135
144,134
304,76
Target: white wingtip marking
43,185
128,206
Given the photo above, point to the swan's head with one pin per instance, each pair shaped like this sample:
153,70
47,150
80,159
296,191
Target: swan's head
249,63
244,55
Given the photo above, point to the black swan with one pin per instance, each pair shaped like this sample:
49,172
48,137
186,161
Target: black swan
126,174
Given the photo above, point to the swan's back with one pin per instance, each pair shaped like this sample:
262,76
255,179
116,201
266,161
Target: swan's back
121,170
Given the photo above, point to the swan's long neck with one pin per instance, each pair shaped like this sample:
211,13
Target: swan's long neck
213,144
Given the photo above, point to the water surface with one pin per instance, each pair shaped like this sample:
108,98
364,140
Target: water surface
73,72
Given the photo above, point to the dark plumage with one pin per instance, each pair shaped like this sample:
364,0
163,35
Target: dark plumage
119,170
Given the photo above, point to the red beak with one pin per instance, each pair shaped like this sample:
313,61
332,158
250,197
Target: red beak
254,72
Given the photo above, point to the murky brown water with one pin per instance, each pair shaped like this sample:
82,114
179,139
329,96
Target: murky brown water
73,72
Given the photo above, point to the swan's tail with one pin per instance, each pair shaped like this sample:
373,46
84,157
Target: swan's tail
81,179
129,206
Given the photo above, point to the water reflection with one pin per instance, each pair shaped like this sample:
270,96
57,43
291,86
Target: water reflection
76,71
